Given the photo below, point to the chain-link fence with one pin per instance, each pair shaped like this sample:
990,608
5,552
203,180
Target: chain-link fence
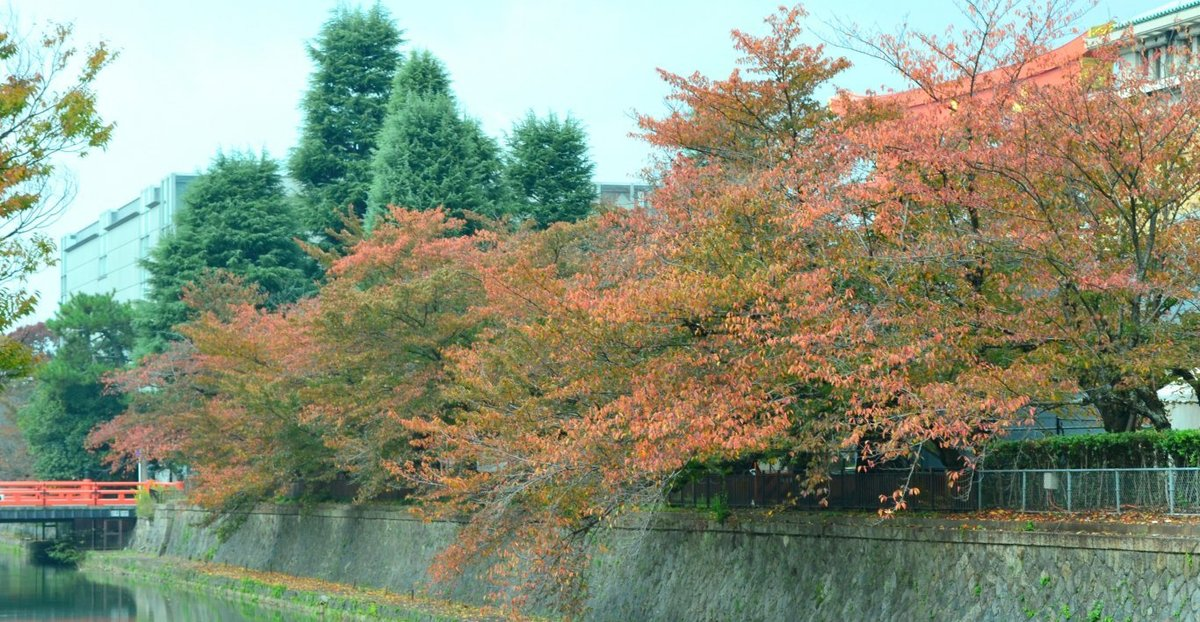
1170,491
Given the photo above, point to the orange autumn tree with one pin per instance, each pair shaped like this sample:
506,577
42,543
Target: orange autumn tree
260,403
1044,230
925,235
225,400
629,346
1118,241
381,329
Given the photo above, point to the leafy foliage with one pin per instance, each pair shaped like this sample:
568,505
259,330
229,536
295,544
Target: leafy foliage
356,54
1141,449
421,75
15,462
261,402
37,337
95,335
382,330
548,172
64,551
237,219
47,110
429,155
874,279
221,401
1052,255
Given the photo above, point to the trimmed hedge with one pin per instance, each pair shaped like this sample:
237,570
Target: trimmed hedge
1146,448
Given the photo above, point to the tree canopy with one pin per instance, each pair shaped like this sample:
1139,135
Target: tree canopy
421,75
47,110
95,336
547,170
235,218
429,154
355,54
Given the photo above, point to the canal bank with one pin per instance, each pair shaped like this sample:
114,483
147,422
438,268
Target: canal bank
294,596
755,566
127,585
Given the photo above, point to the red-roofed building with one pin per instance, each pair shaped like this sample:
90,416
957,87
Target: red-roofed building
1164,39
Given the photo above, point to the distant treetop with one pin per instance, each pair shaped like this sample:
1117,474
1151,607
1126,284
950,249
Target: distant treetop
355,56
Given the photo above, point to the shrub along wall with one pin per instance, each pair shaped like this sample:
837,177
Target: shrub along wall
1147,448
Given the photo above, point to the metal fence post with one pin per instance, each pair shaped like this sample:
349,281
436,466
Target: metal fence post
1171,490
1117,486
979,491
1068,491
1024,482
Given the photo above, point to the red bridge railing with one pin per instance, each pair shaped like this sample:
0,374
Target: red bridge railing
75,494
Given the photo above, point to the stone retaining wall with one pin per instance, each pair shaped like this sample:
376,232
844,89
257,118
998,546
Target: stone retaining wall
793,566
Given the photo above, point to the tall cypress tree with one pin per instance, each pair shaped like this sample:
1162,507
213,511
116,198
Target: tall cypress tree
548,172
356,54
237,218
429,155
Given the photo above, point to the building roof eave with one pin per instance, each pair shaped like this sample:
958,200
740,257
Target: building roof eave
1160,12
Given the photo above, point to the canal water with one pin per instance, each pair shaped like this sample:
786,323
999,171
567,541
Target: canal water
29,592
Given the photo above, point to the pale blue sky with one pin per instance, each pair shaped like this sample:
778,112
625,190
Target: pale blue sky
195,77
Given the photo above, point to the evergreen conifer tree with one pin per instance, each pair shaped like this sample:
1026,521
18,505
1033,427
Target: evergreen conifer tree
95,335
236,218
356,54
422,75
429,155
548,172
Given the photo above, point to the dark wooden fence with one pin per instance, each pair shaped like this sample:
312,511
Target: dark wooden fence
857,491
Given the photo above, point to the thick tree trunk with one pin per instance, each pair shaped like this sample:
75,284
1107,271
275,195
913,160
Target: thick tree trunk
1124,410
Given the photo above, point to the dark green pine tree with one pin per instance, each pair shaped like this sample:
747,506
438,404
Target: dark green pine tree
429,155
422,75
356,54
548,172
95,335
236,218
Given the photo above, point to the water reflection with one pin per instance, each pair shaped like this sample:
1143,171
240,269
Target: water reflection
30,592
42,593
164,606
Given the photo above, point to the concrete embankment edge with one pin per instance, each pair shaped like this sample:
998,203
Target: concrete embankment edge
789,566
271,593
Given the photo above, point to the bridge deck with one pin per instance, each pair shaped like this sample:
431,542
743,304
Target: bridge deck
52,501
55,514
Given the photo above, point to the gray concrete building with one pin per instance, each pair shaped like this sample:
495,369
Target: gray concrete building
106,255
622,194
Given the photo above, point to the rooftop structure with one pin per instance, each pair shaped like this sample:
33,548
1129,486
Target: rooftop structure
622,194
1161,37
